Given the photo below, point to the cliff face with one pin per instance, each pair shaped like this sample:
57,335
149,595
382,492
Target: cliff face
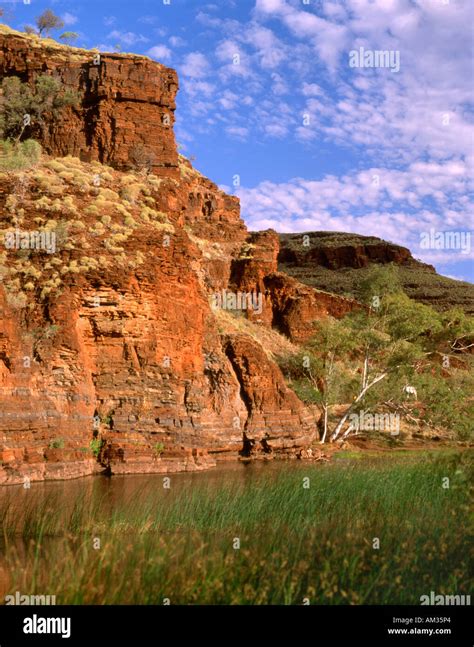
123,101
115,352
111,343
289,306
336,251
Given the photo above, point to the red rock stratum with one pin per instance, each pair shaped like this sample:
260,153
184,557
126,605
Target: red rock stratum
111,353
123,100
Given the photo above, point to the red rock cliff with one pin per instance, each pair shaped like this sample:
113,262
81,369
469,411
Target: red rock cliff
111,344
112,355
124,100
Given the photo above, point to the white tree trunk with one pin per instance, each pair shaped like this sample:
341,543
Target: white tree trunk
325,410
347,432
341,422
365,371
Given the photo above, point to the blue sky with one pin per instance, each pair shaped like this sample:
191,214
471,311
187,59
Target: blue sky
267,93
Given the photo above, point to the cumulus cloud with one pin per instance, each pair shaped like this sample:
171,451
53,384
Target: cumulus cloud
406,113
177,41
271,6
148,20
69,19
160,52
237,131
270,50
397,205
411,130
127,37
195,66
235,60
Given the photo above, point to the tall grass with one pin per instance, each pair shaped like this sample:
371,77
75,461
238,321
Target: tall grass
295,542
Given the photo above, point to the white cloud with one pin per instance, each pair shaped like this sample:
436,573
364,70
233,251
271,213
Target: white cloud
277,130
312,90
401,115
208,21
195,66
333,10
357,202
177,41
127,37
271,51
236,61
148,20
236,131
198,88
329,39
160,52
228,100
413,129
104,47
271,6
69,19
280,85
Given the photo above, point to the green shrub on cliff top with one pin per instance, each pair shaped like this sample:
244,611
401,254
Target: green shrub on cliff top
25,109
20,156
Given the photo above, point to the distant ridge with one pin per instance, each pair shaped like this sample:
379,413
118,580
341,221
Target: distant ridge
338,262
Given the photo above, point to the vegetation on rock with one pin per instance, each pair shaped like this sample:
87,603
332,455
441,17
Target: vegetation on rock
370,356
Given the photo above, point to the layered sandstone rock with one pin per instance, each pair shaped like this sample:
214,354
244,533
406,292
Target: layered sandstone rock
340,262
123,101
296,306
124,359
276,419
336,251
211,218
287,305
111,354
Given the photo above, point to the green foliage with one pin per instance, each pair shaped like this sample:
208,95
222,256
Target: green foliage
367,358
57,443
450,403
95,446
159,448
418,281
69,36
24,107
457,329
318,378
410,321
379,281
48,21
19,156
